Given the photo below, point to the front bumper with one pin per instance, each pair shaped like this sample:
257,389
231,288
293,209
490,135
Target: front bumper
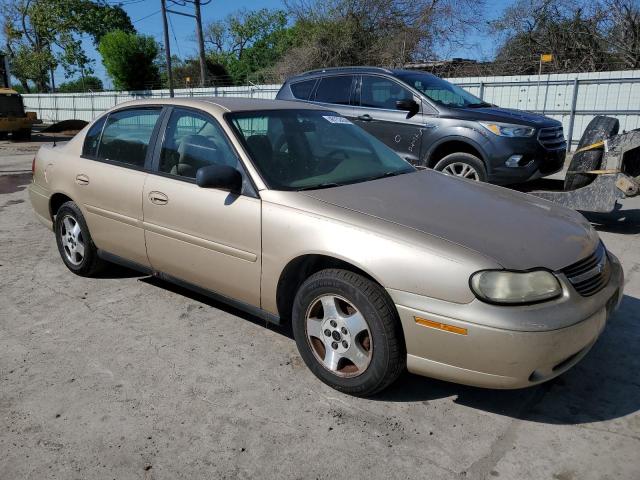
492,356
537,162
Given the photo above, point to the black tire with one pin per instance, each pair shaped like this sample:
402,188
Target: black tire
464,159
4,135
599,128
90,262
387,353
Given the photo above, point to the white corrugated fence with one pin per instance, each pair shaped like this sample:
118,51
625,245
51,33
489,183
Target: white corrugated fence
572,98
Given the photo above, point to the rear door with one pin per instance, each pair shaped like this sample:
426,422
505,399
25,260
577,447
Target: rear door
376,112
203,236
336,92
110,177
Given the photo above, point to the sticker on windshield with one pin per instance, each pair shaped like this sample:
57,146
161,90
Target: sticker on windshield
336,119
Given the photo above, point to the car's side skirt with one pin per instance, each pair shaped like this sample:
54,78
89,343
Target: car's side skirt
245,307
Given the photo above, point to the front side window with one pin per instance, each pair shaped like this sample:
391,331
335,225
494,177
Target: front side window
379,92
91,140
441,91
308,149
335,90
126,136
191,141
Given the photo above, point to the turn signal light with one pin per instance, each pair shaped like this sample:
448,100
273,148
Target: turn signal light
440,326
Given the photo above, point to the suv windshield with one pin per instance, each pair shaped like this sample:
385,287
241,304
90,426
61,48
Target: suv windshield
441,91
307,149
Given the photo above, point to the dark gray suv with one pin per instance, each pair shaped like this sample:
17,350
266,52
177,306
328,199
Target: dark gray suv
434,123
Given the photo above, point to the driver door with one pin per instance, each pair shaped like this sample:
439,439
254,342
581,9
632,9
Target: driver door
203,236
378,115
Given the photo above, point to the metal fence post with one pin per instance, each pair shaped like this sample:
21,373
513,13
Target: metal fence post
55,106
481,91
572,115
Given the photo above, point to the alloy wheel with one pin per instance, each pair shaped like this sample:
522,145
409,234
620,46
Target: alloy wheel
72,240
339,336
460,169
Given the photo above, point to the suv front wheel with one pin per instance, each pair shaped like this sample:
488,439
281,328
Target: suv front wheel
463,165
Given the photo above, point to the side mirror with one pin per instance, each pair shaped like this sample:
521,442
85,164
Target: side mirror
408,105
219,176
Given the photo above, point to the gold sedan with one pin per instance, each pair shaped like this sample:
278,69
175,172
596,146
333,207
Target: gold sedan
293,213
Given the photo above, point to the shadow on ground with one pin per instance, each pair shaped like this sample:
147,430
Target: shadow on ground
618,221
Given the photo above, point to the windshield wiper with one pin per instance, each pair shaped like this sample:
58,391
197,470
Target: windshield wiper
385,175
318,187
479,105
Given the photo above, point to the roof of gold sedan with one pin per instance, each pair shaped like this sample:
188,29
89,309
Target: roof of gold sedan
228,104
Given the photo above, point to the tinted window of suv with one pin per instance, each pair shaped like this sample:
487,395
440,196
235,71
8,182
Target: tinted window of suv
126,136
335,90
90,147
379,92
302,90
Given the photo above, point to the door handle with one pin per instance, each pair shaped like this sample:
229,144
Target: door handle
365,118
158,198
82,179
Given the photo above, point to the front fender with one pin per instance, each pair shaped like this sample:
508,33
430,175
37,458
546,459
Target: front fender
397,258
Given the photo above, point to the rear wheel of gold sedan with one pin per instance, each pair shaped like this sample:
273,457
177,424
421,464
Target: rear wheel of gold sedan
348,332
75,245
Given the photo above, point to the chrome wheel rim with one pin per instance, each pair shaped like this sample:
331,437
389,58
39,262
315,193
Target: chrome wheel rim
72,240
339,336
460,169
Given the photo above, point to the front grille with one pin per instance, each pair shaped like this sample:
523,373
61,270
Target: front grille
552,138
591,274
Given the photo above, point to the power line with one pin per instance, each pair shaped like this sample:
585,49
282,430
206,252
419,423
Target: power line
144,18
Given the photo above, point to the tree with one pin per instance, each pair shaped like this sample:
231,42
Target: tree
582,35
186,73
130,60
248,42
375,32
86,84
42,34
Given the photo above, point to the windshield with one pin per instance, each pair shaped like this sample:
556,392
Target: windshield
307,149
441,91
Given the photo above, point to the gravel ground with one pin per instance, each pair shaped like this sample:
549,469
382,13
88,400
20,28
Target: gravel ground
127,377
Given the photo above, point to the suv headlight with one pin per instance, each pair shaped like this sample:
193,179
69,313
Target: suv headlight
501,286
509,130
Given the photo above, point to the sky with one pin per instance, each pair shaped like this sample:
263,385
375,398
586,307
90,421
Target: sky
146,18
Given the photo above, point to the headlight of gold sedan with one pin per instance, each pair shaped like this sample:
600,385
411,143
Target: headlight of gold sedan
501,286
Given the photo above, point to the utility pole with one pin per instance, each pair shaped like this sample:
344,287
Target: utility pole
167,48
198,17
200,44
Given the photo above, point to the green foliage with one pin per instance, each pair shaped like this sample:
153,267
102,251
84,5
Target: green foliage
186,73
130,60
89,83
40,35
248,42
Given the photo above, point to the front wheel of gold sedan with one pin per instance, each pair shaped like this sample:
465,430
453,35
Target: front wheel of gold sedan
348,332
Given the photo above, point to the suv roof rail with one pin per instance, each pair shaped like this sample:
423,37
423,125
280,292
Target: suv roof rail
357,68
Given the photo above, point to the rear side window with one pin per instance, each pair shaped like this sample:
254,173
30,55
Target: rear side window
335,90
126,136
302,90
90,147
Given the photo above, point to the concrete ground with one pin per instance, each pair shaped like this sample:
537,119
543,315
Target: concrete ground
127,377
